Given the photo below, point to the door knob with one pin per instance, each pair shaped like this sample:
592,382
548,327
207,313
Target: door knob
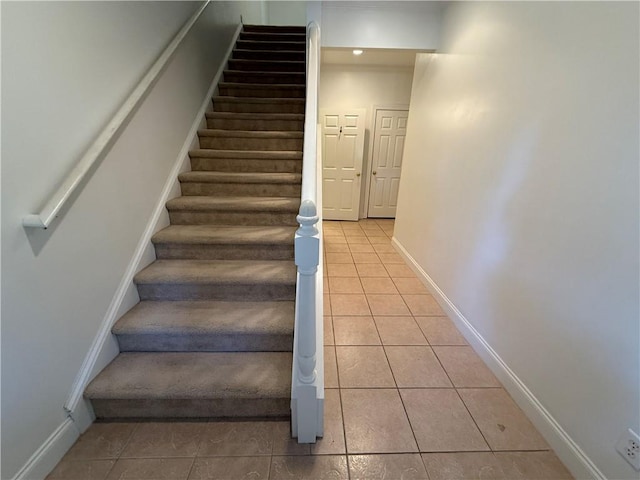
374,172
357,174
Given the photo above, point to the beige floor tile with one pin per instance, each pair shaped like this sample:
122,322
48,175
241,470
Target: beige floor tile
463,466
344,305
326,306
225,468
385,222
334,235
159,439
337,257
282,442
355,331
371,270
363,367
365,258
424,305
380,240
81,470
325,467
375,422
102,440
375,233
399,271
384,249
399,331
341,270
465,367
388,231
440,331
328,331
336,247
345,285
440,421
357,240
387,305
233,439
325,284
392,466
532,466
410,286
330,368
416,367
392,258
151,469
378,285
357,246
333,440
501,421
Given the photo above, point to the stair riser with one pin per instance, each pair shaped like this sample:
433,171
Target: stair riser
241,143
251,91
241,107
241,189
256,125
275,28
233,218
282,55
277,46
246,165
260,66
266,77
199,342
228,292
273,37
223,252
187,408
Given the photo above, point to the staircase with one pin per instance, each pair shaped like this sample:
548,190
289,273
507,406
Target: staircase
212,335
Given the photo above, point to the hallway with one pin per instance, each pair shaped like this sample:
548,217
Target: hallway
406,398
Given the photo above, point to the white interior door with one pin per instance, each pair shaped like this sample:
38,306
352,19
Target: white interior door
388,145
342,150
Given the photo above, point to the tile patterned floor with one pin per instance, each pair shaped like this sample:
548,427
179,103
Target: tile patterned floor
406,397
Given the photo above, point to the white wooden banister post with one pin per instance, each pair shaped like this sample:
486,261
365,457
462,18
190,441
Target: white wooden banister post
307,257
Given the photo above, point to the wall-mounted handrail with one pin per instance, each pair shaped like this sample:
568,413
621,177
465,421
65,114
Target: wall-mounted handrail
55,203
307,389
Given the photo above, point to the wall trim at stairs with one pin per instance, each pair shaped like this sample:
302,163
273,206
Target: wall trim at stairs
50,452
574,458
102,350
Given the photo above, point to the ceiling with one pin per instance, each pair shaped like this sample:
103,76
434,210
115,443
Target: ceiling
371,57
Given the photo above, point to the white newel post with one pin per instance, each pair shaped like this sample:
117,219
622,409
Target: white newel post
307,245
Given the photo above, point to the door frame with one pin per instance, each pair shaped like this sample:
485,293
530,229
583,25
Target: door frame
364,201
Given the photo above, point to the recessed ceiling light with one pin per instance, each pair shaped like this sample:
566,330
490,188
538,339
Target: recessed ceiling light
357,52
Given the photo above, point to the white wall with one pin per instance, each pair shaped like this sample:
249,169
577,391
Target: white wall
381,24
286,12
346,86
519,198
66,67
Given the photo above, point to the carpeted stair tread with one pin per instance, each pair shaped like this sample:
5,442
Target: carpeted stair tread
207,318
194,375
266,134
253,154
218,272
252,116
239,204
223,235
234,177
259,100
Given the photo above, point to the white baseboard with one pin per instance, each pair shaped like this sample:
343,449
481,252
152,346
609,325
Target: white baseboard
574,458
50,452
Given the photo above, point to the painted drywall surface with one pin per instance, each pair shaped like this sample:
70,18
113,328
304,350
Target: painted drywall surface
344,86
66,68
381,24
519,197
286,13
